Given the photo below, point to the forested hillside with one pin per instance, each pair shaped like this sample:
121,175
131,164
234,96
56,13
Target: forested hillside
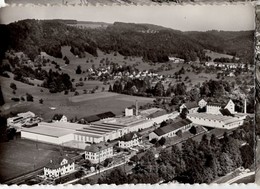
153,43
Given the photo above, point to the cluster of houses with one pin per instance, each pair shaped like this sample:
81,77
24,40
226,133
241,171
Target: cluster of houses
225,65
100,131
26,119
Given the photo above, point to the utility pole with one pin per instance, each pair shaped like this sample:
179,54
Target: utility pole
99,147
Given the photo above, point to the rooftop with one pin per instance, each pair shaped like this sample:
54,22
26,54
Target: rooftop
64,125
172,127
223,118
130,136
97,147
56,163
45,130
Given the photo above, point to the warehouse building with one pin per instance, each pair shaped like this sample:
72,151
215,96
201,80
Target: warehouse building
216,121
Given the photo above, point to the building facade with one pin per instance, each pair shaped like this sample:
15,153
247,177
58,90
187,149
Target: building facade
98,152
130,140
60,167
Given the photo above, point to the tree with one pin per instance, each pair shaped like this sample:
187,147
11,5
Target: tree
78,70
41,101
110,88
159,89
184,113
13,86
29,97
87,164
2,101
162,141
193,130
107,161
3,129
134,158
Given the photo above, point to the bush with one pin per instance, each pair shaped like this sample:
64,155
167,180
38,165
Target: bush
15,99
162,141
13,86
29,97
153,141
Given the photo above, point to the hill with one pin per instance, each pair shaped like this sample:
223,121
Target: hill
153,43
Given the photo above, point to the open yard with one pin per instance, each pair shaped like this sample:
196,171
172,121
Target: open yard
21,156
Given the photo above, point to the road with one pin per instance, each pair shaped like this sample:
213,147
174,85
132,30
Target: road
21,179
94,173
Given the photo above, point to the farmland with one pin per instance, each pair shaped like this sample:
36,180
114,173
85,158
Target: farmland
21,156
69,105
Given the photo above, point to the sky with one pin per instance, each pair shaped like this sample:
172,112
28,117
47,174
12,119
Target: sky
232,17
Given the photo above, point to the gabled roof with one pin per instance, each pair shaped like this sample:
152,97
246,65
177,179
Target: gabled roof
157,114
97,147
172,127
129,136
97,117
56,163
225,112
190,105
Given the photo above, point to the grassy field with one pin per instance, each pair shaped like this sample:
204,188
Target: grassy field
21,156
69,105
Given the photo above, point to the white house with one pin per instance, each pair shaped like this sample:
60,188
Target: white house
171,130
58,167
59,118
215,108
190,106
129,140
98,152
202,103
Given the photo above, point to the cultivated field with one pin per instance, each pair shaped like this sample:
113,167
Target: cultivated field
21,156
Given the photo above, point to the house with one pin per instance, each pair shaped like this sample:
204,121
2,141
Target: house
59,118
190,106
202,103
129,140
26,115
214,108
171,130
58,167
98,152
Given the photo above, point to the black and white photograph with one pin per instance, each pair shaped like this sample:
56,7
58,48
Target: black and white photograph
128,94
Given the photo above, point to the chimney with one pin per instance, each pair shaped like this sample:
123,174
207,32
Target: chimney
245,106
136,108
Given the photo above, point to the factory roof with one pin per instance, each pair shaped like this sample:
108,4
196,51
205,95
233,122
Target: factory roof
64,125
220,118
172,127
45,130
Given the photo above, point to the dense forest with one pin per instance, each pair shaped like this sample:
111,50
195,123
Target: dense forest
153,43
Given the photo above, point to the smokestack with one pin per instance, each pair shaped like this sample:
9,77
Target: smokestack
136,108
245,106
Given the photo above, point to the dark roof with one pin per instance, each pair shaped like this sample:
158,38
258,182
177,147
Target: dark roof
98,117
97,147
157,114
106,115
55,163
174,126
129,136
216,104
190,105
225,112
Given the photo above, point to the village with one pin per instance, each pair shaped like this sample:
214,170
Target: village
106,141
